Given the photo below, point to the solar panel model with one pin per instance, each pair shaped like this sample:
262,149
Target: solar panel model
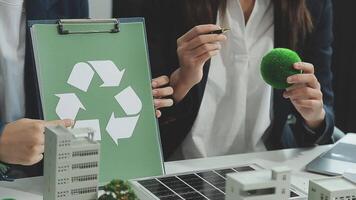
200,185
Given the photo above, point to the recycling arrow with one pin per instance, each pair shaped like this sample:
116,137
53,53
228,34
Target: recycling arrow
68,106
121,128
81,76
129,101
108,72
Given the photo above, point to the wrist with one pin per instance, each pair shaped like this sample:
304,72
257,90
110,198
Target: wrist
189,77
181,84
316,122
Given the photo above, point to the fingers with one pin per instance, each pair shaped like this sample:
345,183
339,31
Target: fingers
163,103
199,55
205,57
33,160
307,68
160,81
197,43
36,138
209,47
201,40
296,86
159,93
37,159
158,114
162,92
65,122
310,104
303,93
35,141
36,150
194,49
306,96
196,31
31,155
37,126
308,79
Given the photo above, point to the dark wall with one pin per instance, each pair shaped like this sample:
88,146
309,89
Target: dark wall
128,8
344,64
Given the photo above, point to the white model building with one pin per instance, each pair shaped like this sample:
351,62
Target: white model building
334,188
259,185
71,164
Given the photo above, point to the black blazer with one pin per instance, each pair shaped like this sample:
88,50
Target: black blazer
165,24
42,10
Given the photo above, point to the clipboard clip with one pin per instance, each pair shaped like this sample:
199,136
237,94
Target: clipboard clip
62,23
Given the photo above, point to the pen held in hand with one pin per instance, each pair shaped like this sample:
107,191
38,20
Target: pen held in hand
220,31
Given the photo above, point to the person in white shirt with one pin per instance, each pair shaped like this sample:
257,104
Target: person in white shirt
223,106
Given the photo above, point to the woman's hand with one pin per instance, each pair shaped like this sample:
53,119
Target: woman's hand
194,49
306,95
160,90
22,141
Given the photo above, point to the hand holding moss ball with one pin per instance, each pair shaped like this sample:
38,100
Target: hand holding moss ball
281,65
277,66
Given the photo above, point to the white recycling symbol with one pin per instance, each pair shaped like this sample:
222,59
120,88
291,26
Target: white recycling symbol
81,76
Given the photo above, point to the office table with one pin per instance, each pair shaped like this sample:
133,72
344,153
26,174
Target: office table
296,159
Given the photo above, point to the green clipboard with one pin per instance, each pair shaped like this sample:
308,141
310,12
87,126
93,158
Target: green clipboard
97,72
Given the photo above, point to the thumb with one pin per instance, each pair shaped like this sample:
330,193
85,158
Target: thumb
65,122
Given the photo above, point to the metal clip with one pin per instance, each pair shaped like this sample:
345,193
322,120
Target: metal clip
63,22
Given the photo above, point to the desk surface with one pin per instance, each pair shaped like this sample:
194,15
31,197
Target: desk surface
296,159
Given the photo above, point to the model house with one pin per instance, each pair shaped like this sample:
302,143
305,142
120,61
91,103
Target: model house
259,185
71,164
333,188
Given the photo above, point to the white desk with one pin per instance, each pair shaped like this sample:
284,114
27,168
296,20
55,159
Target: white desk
296,159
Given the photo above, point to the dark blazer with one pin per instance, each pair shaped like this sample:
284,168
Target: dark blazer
165,23
46,10
43,10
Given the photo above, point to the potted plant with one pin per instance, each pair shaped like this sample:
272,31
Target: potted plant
118,190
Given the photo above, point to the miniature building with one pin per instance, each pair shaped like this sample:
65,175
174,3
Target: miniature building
259,185
71,164
334,188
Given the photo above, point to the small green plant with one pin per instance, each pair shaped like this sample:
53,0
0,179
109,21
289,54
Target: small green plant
118,190
3,171
3,168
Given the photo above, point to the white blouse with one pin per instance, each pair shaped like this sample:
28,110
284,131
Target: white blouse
12,59
236,106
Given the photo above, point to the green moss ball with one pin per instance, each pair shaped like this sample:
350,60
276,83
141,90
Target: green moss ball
277,66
